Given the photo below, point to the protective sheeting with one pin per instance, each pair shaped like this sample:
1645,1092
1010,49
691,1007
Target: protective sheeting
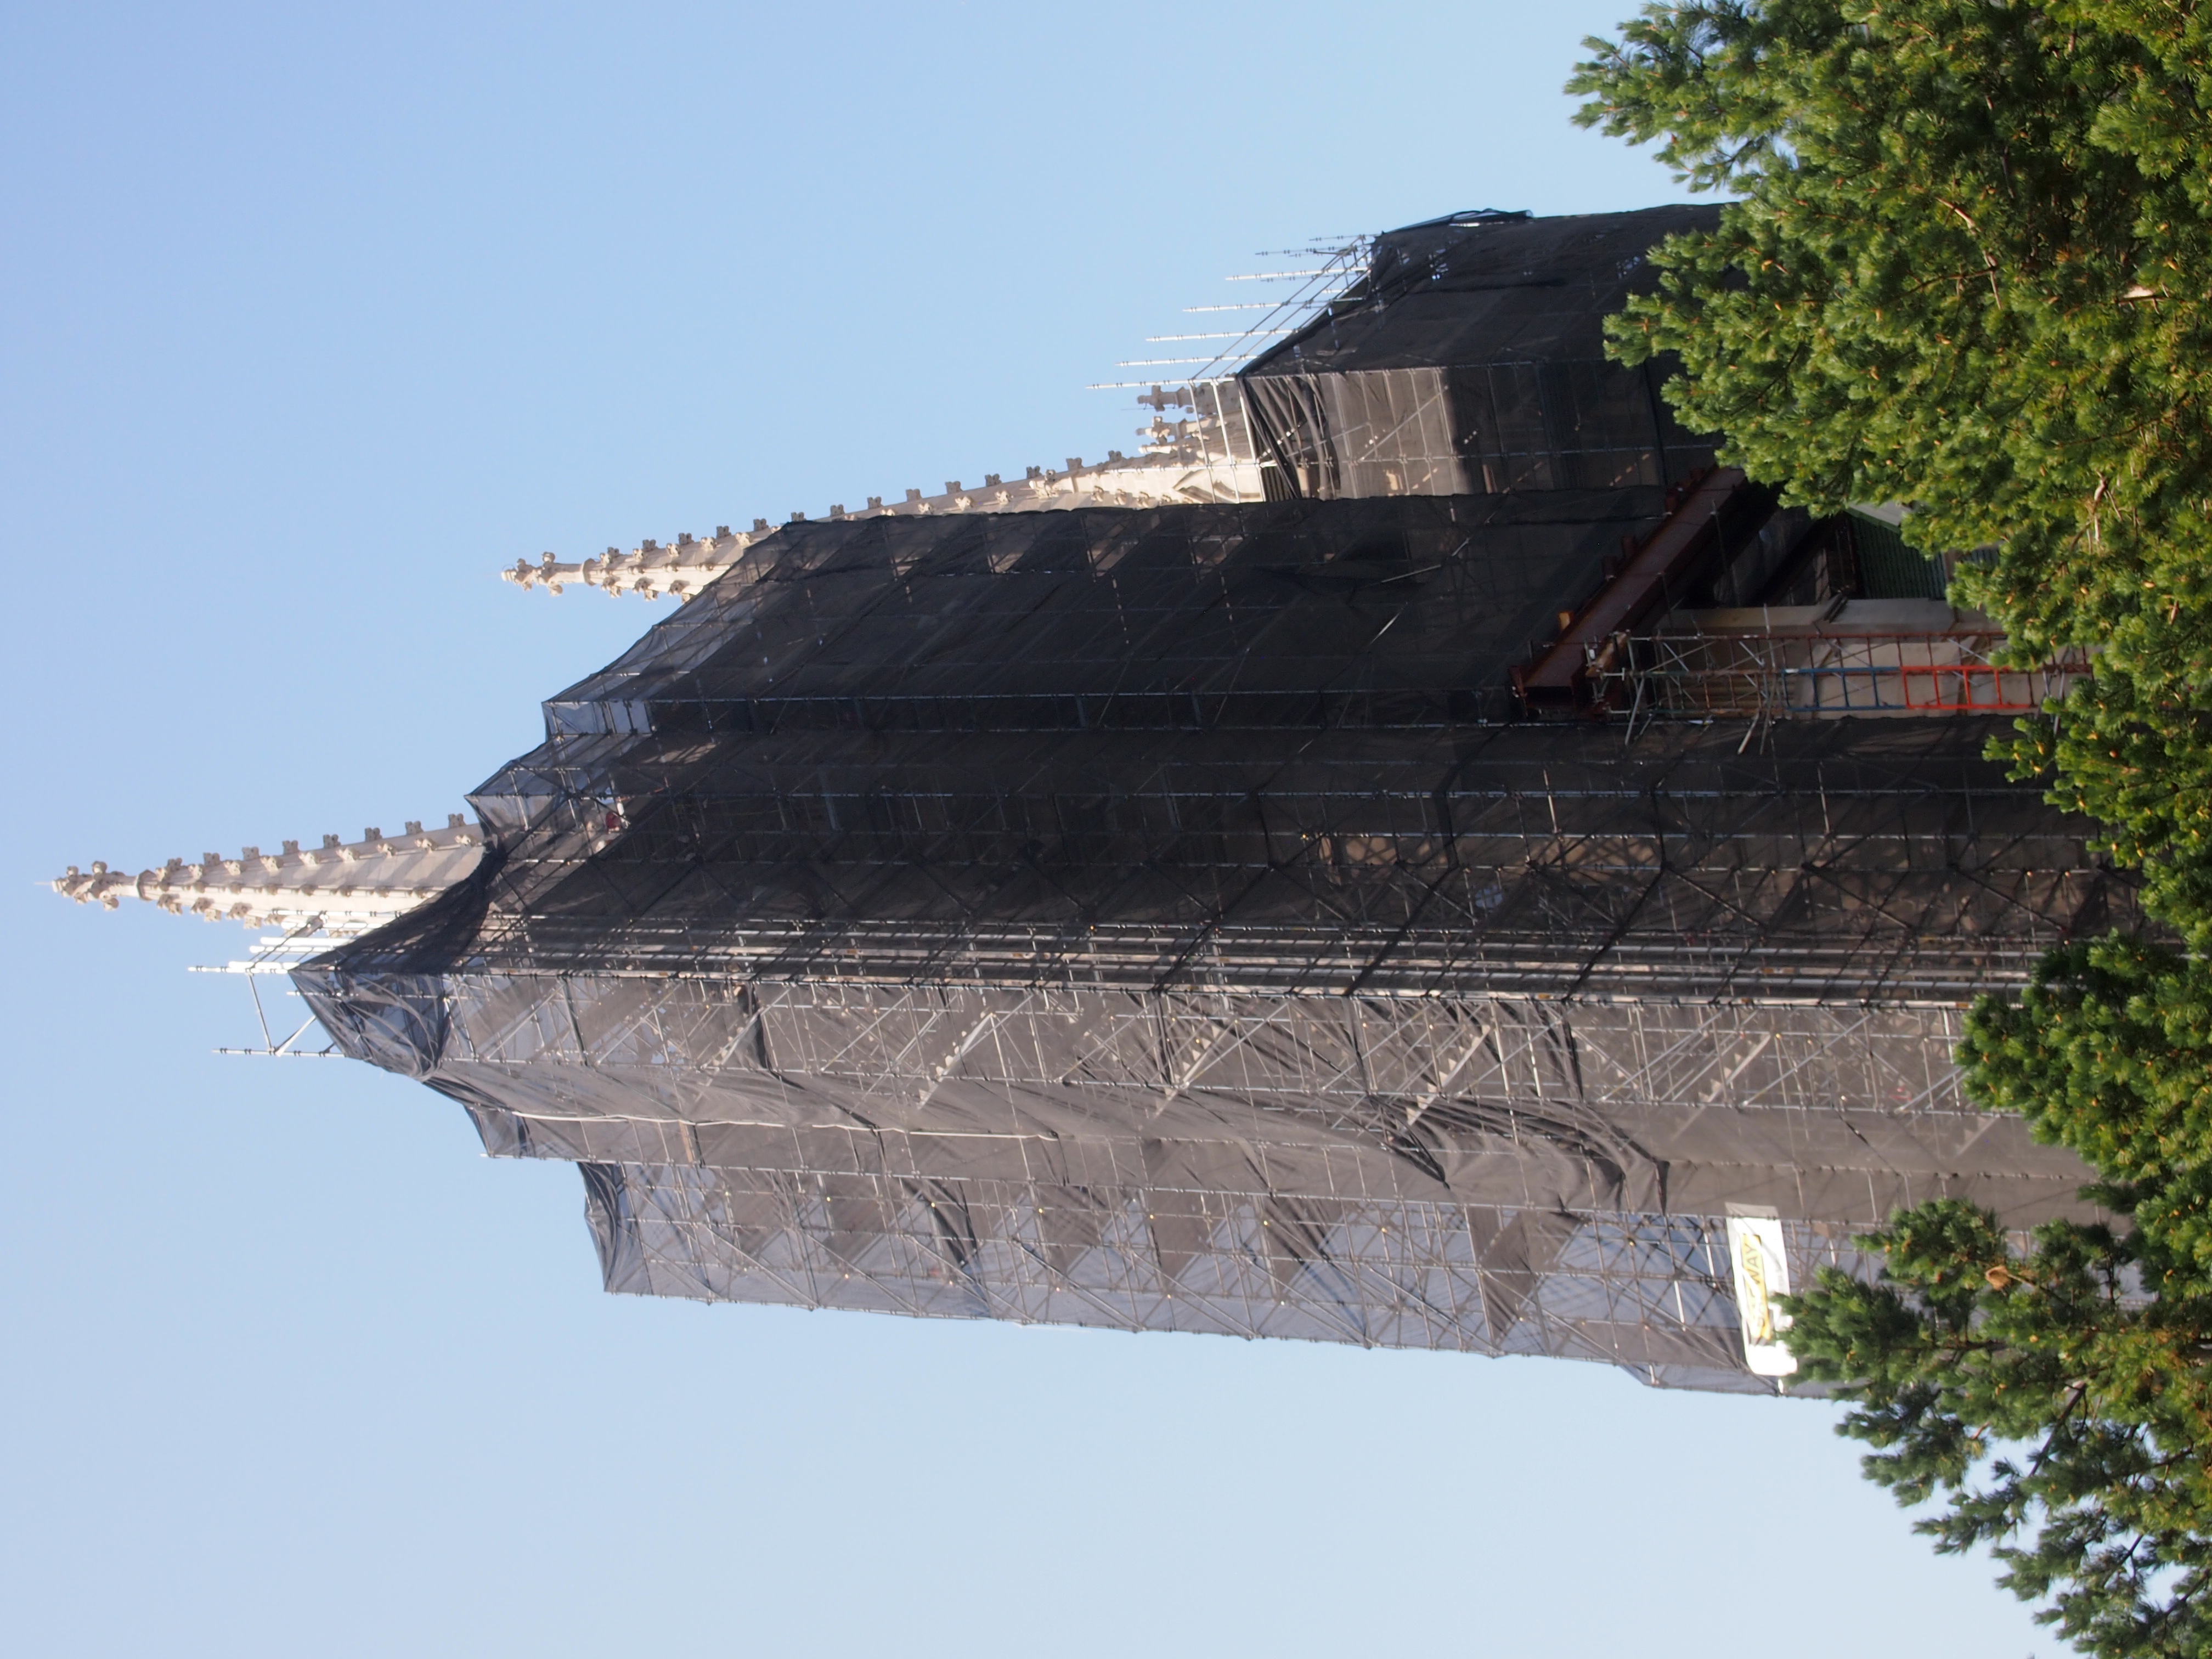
1500,1176
1836,1113
1247,747
1471,357
1646,1293
1152,918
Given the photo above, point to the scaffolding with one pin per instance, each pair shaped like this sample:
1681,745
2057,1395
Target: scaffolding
1470,358
1868,659
1422,887
1648,1293
1161,919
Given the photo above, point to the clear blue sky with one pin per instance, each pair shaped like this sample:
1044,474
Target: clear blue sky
313,317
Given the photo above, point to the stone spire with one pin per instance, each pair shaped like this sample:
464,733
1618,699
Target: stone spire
648,569
344,887
1195,459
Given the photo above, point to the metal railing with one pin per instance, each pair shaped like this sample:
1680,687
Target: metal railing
1812,676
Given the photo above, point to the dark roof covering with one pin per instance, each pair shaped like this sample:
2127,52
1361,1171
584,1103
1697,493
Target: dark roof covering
1409,606
1485,288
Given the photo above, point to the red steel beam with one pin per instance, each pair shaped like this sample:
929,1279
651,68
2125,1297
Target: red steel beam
1657,568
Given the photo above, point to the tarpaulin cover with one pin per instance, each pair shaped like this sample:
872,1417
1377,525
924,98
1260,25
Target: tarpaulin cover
1158,919
1472,357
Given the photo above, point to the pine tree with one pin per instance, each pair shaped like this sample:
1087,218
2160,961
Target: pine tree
2060,1401
1967,265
